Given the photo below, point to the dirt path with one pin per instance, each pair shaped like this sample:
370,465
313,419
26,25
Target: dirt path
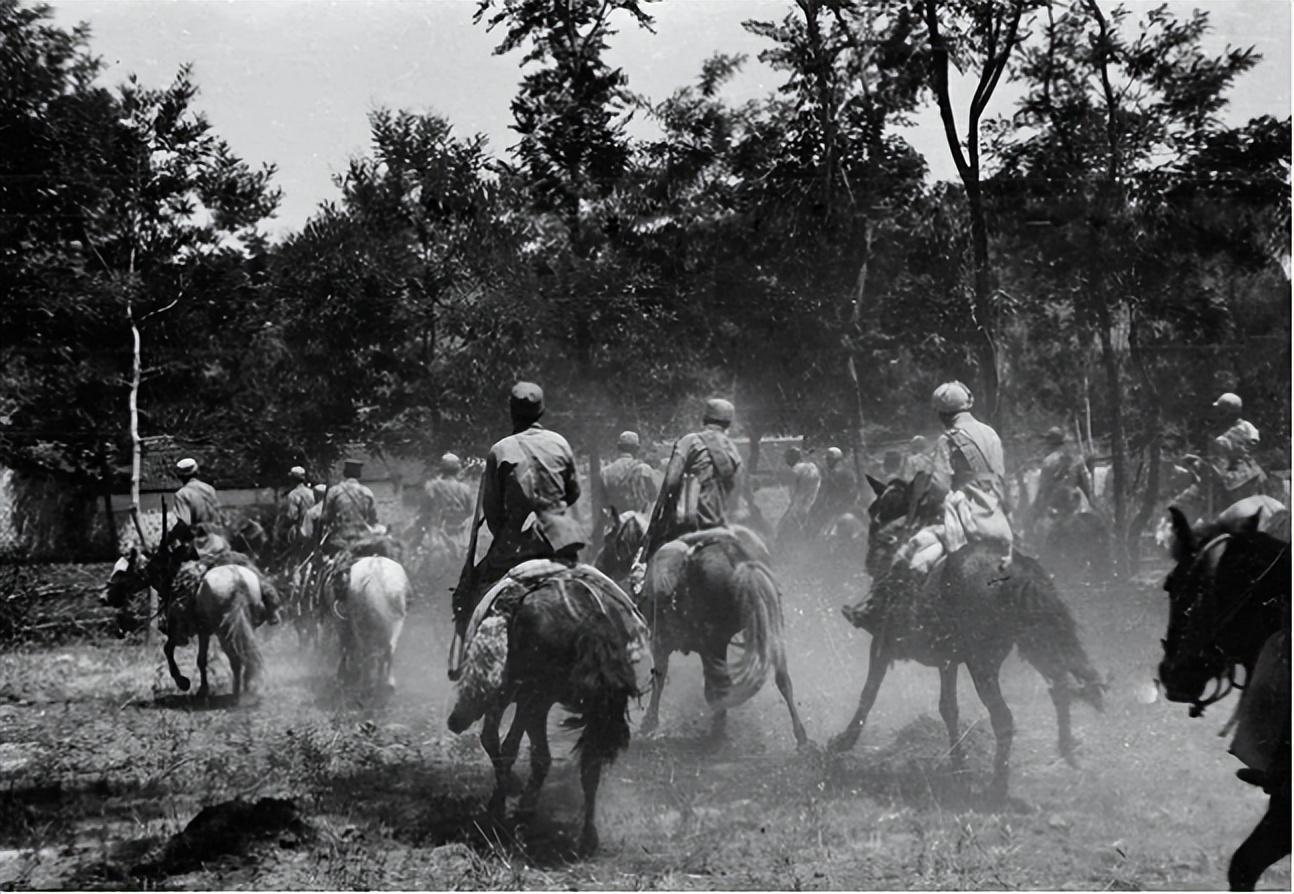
101,761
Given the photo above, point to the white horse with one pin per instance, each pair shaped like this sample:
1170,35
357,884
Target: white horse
372,617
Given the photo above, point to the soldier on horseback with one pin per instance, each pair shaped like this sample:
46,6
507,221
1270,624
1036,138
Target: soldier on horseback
700,480
349,509
1231,453
197,505
200,523
806,482
528,484
838,493
292,514
628,484
968,480
447,500
1063,477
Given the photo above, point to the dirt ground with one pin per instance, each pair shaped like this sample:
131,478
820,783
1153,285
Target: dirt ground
102,761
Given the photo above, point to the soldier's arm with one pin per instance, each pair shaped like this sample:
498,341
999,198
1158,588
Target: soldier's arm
370,511
492,494
571,479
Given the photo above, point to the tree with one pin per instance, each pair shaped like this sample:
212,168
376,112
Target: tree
980,35
1110,113
119,194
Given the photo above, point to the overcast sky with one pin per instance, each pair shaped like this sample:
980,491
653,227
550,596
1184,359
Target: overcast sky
291,81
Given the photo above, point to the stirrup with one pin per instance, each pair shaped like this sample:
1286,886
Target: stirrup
455,657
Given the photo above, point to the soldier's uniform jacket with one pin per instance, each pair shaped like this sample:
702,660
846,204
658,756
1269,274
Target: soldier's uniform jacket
970,452
448,501
837,495
710,456
916,463
1061,471
348,509
196,503
628,484
310,523
805,482
295,506
1233,454
529,473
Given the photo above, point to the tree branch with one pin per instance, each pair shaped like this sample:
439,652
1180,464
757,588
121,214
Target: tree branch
939,76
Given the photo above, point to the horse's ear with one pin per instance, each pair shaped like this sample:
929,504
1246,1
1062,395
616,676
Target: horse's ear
878,487
1183,544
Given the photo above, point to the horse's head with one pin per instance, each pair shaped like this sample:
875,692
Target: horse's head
887,522
1212,625
625,534
128,577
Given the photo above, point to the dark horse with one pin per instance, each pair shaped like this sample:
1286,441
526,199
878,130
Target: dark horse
623,536
702,590
566,642
972,613
1228,594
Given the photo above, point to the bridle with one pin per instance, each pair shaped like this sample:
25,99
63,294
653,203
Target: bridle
1224,682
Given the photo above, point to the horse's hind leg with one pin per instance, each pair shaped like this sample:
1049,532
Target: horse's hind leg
714,667
984,675
1065,735
503,757
1267,843
204,643
660,669
590,777
949,712
877,663
541,760
783,679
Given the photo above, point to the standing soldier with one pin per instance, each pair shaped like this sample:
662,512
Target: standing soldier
803,491
628,484
528,484
700,480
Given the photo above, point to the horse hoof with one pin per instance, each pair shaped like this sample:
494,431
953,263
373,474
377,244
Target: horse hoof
183,683
588,842
841,743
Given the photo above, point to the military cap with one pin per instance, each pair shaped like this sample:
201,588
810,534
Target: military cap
1229,401
352,468
628,440
719,411
187,466
952,397
526,401
297,472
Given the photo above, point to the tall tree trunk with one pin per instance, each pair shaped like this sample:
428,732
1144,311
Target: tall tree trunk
1118,446
859,439
985,322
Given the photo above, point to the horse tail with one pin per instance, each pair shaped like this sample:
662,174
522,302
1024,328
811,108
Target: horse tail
759,602
602,682
236,633
1048,636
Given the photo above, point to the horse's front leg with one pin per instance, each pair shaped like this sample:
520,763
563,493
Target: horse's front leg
660,669
1267,843
948,710
204,643
180,680
985,677
1066,743
877,664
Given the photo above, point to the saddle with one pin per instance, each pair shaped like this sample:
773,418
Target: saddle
744,540
532,574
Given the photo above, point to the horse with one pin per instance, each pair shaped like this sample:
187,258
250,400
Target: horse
971,612
566,643
700,591
372,616
1227,594
227,606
